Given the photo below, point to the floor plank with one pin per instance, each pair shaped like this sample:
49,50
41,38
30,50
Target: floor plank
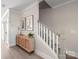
16,53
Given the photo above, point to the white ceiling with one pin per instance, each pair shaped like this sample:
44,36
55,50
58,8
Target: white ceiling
21,4
16,4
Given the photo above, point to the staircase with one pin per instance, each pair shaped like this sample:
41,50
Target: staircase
49,37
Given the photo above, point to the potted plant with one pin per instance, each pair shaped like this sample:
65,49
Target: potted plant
31,35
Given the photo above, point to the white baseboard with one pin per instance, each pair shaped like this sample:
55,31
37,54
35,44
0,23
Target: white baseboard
43,55
72,53
11,45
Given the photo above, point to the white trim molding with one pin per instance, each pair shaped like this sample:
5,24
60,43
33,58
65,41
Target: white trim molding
5,13
62,4
11,44
43,55
33,4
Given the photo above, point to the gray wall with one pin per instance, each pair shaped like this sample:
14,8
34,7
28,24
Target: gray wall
63,20
14,23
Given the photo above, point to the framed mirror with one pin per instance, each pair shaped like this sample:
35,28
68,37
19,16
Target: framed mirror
30,23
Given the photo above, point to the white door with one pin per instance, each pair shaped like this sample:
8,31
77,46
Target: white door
5,32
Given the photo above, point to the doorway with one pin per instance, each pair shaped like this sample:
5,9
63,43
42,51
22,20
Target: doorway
4,32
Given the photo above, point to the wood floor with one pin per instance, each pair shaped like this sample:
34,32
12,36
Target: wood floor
70,57
16,53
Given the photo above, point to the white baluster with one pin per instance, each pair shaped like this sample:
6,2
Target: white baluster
41,30
38,28
44,33
47,35
49,38
57,44
53,41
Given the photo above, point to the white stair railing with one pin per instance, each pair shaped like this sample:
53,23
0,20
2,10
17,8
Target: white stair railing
49,37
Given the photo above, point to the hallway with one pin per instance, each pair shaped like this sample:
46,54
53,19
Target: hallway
16,53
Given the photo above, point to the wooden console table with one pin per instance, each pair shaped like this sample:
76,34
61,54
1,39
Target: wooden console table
25,42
